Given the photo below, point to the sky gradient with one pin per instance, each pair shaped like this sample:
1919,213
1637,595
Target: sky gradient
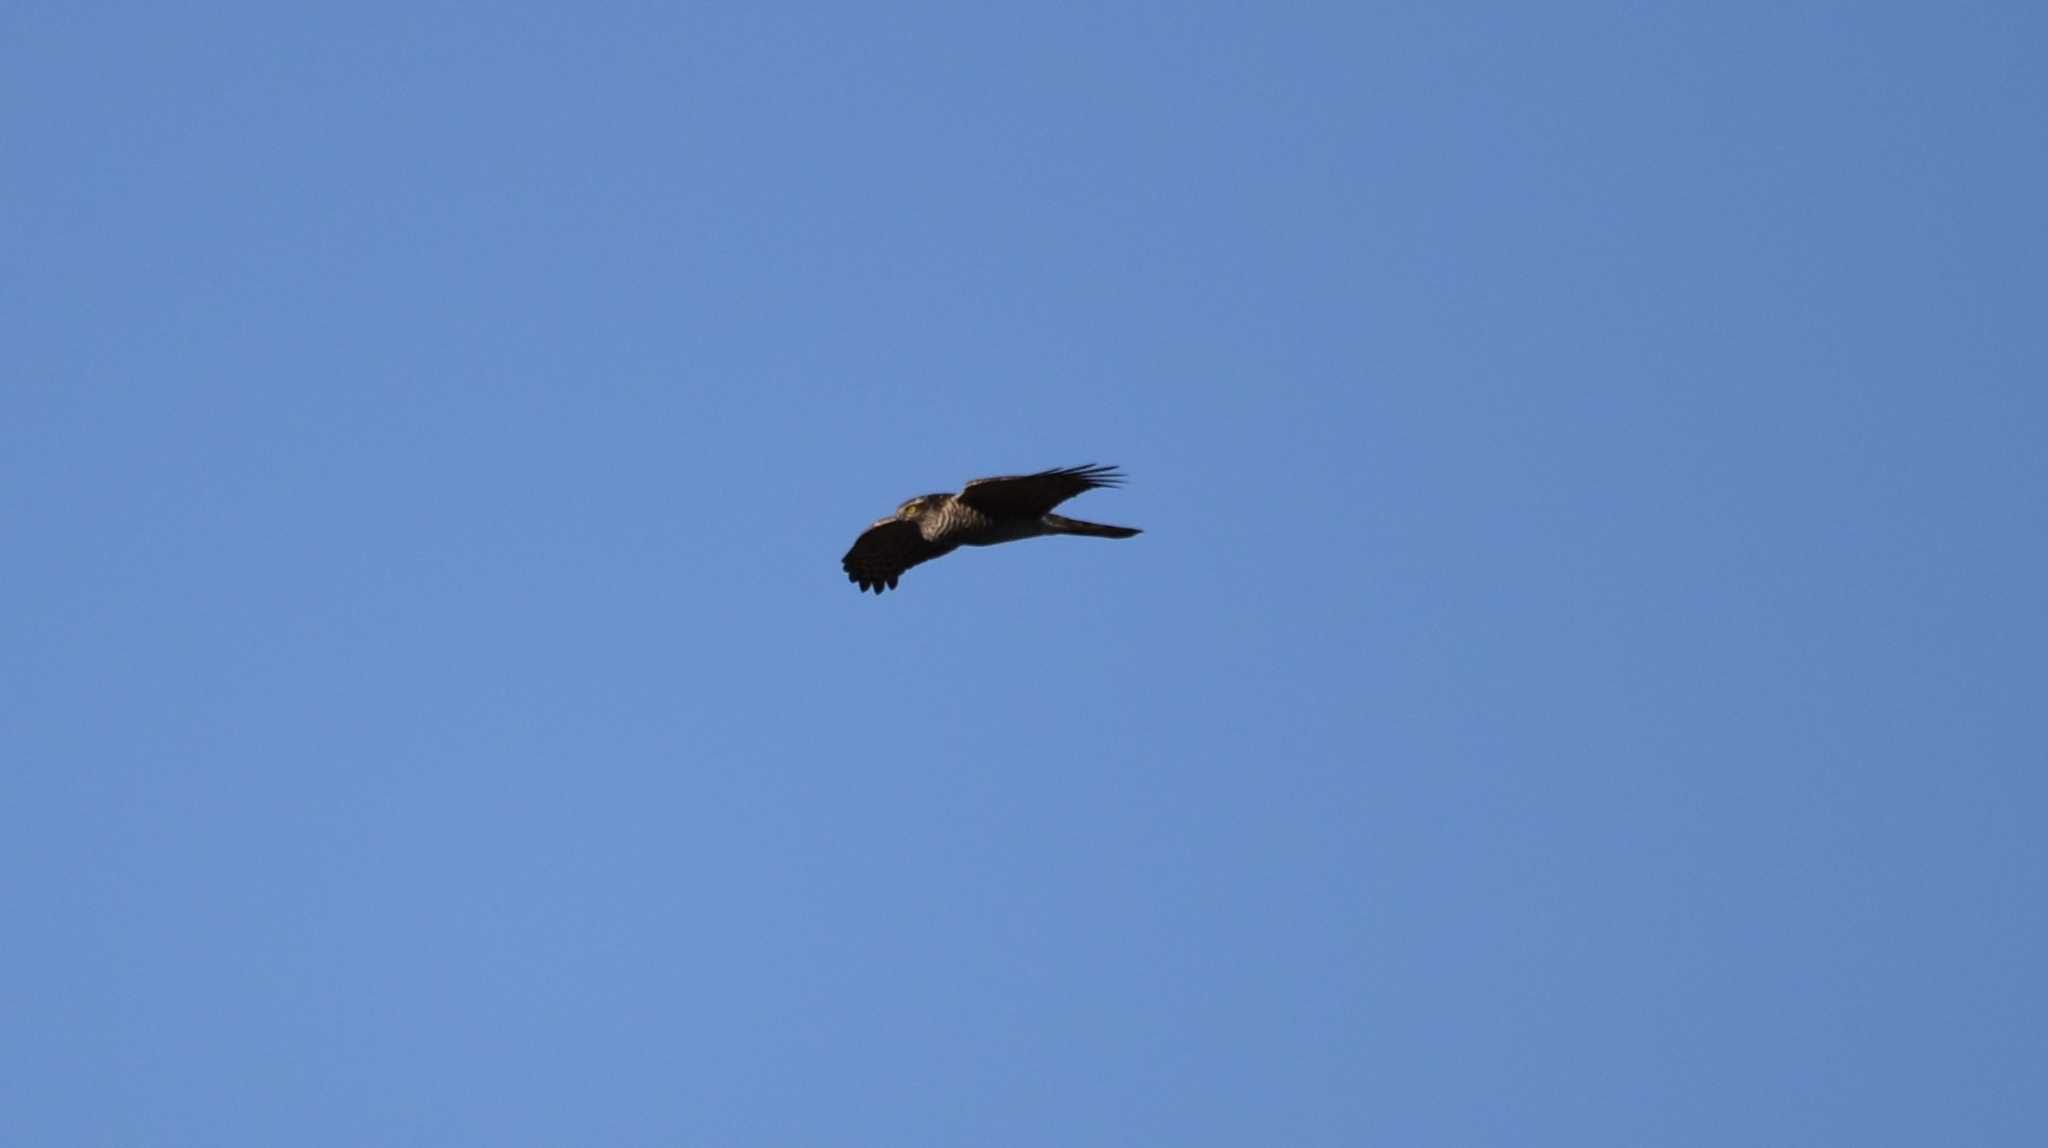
1580,682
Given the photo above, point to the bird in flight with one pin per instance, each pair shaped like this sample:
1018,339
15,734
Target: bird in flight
987,511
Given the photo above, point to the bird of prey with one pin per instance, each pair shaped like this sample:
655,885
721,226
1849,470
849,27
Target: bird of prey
988,511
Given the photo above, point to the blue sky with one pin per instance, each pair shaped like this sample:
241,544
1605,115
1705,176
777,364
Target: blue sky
1580,681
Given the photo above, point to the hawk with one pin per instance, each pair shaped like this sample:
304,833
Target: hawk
988,511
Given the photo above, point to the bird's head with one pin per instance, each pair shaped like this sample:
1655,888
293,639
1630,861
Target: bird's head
919,505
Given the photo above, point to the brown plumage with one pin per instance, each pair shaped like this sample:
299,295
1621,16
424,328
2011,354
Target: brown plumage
985,512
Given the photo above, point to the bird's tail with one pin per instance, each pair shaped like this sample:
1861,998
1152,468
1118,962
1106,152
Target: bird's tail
1092,529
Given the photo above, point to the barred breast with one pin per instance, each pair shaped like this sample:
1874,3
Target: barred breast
962,525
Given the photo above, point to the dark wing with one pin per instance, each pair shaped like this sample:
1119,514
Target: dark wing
884,551
1031,495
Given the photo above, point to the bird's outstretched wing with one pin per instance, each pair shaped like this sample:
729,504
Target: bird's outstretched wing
884,551
1035,494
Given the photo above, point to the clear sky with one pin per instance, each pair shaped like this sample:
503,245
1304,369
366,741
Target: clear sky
1580,682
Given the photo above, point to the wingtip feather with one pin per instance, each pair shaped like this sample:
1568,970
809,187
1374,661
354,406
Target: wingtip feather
1093,473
